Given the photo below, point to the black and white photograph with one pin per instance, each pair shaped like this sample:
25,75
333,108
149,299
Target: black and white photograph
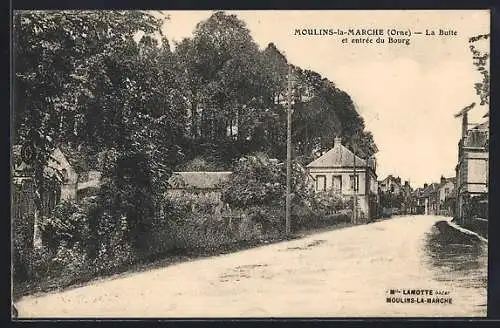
249,164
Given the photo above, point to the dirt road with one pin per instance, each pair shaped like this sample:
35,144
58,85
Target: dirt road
346,272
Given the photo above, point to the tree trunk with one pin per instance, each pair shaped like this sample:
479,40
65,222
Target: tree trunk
37,232
194,119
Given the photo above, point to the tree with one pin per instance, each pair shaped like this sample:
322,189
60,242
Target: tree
226,90
481,61
73,80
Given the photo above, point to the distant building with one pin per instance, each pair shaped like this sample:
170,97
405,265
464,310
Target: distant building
418,206
391,184
339,169
391,195
426,199
431,199
407,198
447,197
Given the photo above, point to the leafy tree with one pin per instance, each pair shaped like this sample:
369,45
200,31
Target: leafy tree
75,74
260,181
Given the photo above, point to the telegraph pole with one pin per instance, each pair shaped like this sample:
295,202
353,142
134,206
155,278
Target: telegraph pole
289,153
355,203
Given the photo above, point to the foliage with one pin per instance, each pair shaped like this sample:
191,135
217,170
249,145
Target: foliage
198,164
391,200
108,85
67,224
330,202
256,180
481,62
69,261
39,263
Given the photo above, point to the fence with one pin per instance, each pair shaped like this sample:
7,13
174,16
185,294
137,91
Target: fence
23,208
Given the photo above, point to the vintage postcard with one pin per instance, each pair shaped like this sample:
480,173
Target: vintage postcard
239,164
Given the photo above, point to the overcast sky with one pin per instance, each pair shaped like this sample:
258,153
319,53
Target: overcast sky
406,94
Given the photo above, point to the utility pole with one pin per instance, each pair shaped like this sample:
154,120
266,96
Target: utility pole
355,203
289,153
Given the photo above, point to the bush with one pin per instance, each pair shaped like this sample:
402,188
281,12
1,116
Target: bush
270,218
330,202
69,262
134,184
256,180
39,263
196,220
67,225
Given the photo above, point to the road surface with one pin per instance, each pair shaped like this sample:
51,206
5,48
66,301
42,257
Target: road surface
345,272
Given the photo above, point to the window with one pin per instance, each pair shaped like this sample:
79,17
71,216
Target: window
320,182
354,182
337,182
65,175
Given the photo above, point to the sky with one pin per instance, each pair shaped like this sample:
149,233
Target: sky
407,94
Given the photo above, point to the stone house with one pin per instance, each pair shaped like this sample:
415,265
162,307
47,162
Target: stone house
349,175
408,200
430,195
391,184
58,167
77,178
418,200
391,195
472,174
447,196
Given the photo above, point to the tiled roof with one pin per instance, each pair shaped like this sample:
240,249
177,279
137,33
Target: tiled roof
198,180
433,187
338,156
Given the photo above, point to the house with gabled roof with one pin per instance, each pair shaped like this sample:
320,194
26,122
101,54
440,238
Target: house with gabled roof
447,199
391,184
430,195
72,169
340,170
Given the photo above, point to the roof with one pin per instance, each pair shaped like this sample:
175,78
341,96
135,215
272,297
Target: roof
198,180
338,156
93,182
451,179
433,187
74,157
396,180
78,159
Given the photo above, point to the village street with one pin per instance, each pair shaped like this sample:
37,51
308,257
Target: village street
345,272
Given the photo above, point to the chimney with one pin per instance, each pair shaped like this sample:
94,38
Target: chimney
406,183
425,185
337,141
465,124
443,180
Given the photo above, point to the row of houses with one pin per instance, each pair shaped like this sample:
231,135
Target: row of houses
437,198
464,196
